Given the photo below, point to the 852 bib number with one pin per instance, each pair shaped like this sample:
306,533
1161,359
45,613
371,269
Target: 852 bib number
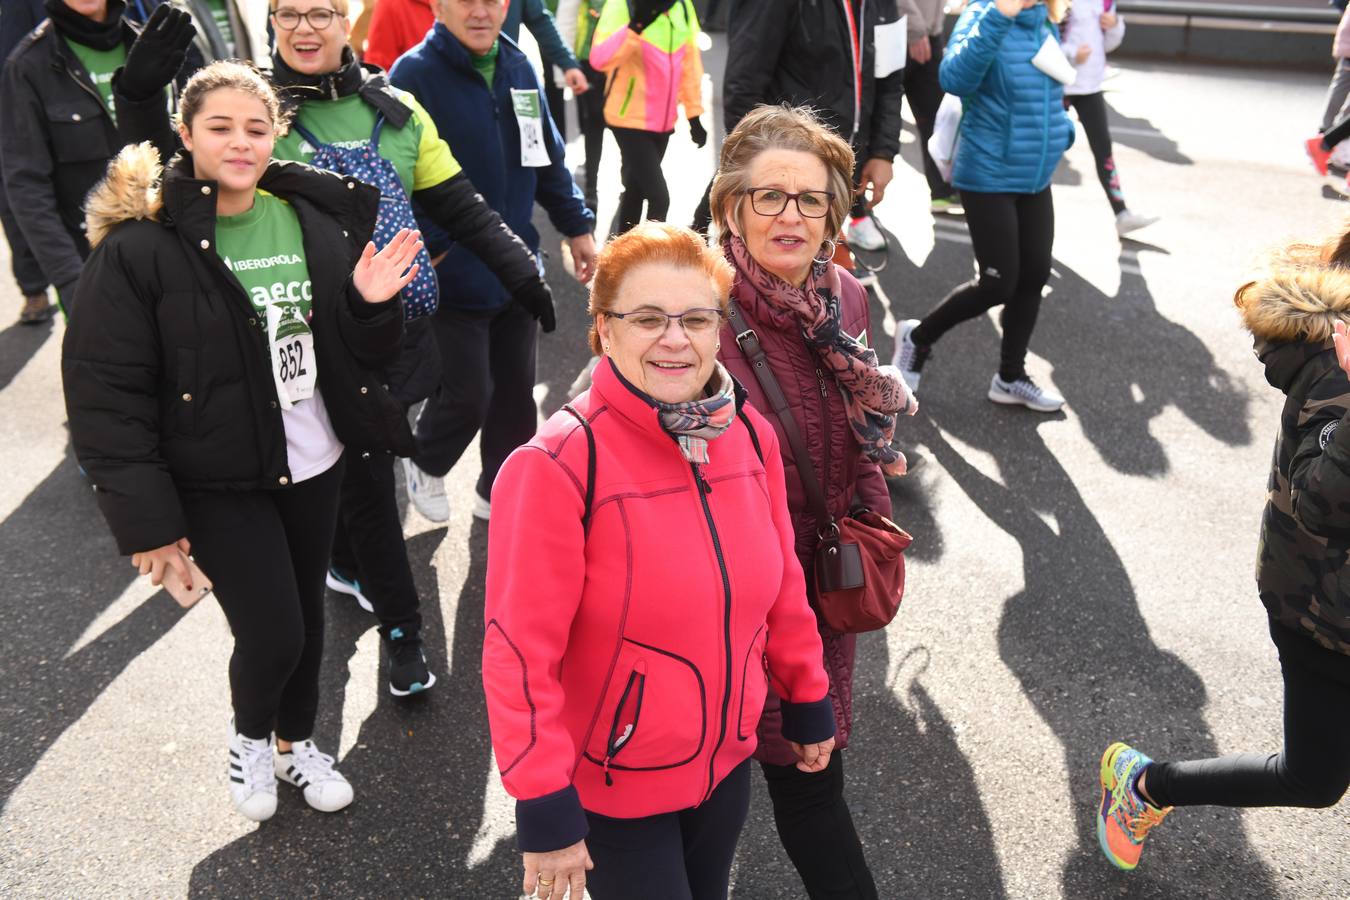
292,345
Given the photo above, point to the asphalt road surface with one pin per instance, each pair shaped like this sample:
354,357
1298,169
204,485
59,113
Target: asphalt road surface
1075,579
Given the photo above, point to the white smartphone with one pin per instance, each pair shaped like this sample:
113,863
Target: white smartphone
187,597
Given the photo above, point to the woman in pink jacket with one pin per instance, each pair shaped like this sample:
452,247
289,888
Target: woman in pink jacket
643,594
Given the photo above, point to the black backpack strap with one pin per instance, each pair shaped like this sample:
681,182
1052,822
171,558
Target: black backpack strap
590,466
754,438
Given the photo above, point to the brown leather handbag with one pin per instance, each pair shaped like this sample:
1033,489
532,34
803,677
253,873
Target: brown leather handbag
859,560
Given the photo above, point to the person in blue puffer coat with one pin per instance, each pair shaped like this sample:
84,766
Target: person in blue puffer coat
1012,135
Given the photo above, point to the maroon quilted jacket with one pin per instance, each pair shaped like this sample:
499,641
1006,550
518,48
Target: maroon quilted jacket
848,476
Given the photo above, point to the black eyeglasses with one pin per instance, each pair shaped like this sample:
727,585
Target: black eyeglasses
653,322
772,201
288,19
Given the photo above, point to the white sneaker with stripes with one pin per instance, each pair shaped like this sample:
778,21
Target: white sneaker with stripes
305,767
253,783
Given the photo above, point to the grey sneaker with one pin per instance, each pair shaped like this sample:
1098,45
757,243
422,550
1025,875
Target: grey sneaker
864,234
1024,392
426,493
909,357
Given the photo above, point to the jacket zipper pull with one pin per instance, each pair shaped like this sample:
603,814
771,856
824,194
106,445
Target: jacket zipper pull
820,380
609,779
702,482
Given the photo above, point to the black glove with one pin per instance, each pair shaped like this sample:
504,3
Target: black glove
645,12
697,132
158,53
537,299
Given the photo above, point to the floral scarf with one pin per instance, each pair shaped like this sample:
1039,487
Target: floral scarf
696,422
873,394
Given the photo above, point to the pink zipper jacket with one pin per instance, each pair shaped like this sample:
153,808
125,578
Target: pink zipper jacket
650,74
626,666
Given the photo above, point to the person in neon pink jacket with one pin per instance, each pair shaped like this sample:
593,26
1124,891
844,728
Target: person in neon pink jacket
642,600
649,53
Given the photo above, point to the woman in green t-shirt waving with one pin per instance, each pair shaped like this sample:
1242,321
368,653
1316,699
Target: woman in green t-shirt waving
232,318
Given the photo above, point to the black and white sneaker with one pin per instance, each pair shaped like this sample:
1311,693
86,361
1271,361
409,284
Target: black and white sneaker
253,785
909,357
1024,392
339,582
408,672
305,767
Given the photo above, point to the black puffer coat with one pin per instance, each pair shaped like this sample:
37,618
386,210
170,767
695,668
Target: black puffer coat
56,139
168,377
799,52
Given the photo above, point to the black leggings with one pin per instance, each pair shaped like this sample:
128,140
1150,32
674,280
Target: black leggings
266,552
924,93
640,154
1091,109
1335,134
1012,235
368,544
1313,770
683,855
591,117
817,831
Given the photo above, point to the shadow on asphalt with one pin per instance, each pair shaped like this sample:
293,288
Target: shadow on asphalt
18,344
45,614
420,769
1073,636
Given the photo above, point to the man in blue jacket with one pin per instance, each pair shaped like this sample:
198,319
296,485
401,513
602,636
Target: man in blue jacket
485,99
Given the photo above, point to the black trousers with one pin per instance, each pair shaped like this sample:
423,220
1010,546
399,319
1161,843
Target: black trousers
683,855
368,544
641,153
817,831
1091,109
27,272
591,117
1012,235
487,384
553,96
924,93
1313,769
267,552
1337,133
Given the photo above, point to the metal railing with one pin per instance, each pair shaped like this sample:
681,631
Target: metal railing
1253,13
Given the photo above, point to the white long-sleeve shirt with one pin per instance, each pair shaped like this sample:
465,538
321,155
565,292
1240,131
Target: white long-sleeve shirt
1083,28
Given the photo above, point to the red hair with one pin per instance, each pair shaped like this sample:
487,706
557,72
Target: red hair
653,243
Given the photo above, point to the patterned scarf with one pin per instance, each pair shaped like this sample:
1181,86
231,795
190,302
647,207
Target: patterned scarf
874,395
696,422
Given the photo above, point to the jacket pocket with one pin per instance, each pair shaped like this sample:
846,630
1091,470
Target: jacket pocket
647,718
754,685
627,96
185,398
78,132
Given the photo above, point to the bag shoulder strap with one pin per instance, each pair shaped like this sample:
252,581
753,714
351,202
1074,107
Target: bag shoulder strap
754,438
748,341
590,467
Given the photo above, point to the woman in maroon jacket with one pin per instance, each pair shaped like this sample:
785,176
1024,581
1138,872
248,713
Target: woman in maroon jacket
781,192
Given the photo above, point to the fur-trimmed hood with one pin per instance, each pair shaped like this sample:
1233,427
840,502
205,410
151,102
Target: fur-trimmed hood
1300,304
130,190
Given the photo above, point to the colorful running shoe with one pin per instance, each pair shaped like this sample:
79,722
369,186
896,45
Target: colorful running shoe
1124,818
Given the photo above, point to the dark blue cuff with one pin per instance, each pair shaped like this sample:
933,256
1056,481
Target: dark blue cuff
551,822
808,723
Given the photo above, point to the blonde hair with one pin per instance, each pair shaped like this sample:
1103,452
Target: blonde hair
1302,292
781,128
232,75
653,243
341,7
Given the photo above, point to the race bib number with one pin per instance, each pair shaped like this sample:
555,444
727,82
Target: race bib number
292,344
530,120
